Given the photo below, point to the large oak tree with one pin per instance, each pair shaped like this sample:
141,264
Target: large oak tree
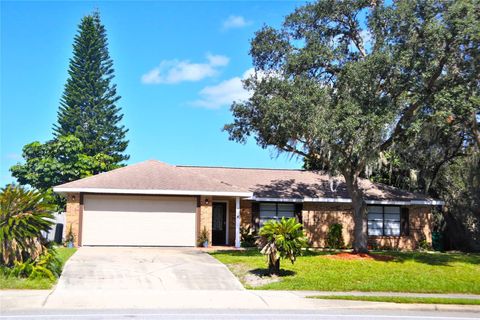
342,81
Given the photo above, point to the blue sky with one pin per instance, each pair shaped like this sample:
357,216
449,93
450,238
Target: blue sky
178,66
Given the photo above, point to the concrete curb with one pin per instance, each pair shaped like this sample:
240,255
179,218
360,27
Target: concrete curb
197,299
365,305
305,293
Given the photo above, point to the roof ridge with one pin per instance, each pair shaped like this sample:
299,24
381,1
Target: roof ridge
242,168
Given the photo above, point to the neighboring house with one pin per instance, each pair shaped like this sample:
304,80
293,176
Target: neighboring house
156,204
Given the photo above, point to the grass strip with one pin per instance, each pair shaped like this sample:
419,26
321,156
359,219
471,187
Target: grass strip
394,299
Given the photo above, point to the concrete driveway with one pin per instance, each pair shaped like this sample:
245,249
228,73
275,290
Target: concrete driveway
132,268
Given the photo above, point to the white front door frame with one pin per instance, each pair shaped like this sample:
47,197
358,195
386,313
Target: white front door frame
237,222
227,216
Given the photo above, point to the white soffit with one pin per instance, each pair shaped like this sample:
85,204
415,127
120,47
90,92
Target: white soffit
346,200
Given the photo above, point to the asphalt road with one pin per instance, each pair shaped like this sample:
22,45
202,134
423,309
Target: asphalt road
240,314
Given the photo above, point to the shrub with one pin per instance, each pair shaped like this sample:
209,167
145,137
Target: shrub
70,238
335,237
247,237
23,216
423,244
281,239
203,237
47,265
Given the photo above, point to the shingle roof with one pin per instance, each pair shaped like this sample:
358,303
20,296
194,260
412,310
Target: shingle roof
154,175
280,183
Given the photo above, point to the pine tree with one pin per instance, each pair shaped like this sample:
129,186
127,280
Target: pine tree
88,107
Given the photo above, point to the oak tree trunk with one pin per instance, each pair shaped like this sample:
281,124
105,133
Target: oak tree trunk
360,237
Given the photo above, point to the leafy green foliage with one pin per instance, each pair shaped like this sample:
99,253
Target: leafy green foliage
47,265
23,216
88,108
459,185
58,161
335,237
88,137
281,239
338,92
32,275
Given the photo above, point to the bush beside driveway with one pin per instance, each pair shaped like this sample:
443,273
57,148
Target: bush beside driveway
10,282
389,271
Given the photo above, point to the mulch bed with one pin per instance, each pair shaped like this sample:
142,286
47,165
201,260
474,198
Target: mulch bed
359,256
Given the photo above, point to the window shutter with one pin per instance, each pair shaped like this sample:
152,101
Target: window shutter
298,211
255,216
404,222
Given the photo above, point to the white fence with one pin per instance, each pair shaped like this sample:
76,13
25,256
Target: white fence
58,218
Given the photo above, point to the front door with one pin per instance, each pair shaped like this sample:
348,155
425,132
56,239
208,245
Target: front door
219,223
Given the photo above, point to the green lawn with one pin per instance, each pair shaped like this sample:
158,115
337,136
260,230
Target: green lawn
18,283
407,272
421,300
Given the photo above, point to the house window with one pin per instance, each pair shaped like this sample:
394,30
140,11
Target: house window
275,211
383,221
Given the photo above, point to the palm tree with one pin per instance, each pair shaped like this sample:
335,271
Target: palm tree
24,214
281,239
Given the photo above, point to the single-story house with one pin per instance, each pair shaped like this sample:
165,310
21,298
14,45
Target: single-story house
156,204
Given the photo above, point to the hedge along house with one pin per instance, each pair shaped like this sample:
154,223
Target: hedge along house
156,204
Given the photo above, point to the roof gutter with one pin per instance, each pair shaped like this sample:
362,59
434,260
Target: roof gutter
64,190
347,200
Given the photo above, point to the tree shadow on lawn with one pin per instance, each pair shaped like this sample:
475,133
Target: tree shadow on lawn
262,272
430,258
434,259
249,252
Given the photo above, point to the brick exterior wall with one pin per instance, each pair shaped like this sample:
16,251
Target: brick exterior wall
73,216
245,214
204,218
317,217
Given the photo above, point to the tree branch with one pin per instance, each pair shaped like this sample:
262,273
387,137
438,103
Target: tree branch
355,36
445,160
289,148
410,111
476,133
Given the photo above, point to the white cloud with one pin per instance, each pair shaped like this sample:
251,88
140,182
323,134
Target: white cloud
235,22
224,93
13,156
217,60
175,71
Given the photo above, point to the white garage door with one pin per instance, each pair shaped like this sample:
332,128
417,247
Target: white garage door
138,220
